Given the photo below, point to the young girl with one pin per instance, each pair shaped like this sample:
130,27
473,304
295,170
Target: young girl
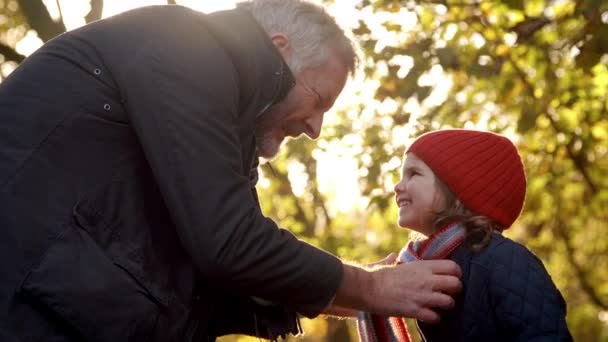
461,189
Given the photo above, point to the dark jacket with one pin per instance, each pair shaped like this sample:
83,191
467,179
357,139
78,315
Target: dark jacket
507,296
127,172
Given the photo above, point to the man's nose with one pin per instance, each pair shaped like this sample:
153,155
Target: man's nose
314,125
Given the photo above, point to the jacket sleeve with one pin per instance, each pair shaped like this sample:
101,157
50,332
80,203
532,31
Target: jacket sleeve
526,302
181,97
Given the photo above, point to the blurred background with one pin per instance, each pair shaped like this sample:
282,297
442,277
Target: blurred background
535,70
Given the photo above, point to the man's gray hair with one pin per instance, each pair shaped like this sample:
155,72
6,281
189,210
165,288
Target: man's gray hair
311,31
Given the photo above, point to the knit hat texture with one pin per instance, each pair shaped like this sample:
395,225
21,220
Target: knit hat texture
483,170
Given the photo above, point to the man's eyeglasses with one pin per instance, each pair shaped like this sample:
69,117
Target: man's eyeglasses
312,92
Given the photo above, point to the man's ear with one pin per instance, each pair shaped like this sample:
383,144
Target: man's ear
281,42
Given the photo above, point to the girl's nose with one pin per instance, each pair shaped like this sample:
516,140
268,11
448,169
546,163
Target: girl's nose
400,186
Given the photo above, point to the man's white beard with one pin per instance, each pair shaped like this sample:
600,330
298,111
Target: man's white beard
267,145
265,132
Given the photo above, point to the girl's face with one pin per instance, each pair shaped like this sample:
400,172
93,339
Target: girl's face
418,196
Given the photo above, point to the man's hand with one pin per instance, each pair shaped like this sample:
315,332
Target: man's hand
413,289
343,312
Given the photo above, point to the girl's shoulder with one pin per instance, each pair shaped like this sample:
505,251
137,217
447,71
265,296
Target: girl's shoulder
518,288
502,252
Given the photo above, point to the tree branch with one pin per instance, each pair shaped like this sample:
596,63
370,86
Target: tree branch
10,54
95,12
579,162
39,19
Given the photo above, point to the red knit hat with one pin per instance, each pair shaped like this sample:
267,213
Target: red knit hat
482,169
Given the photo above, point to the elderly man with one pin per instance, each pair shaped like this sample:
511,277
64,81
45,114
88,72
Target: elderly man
128,156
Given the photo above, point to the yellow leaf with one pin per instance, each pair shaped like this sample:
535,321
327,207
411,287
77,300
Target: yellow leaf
502,50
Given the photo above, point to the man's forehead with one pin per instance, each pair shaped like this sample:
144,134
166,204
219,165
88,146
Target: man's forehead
329,84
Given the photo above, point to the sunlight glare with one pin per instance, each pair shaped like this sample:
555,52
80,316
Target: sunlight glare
207,6
30,43
73,12
51,7
113,7
296,172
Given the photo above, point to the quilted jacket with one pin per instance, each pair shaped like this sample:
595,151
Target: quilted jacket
507,296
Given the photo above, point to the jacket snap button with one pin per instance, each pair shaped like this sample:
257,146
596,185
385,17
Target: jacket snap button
106,106
97,71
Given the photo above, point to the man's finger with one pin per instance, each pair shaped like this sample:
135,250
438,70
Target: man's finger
441,301
428,316
446,267
447,284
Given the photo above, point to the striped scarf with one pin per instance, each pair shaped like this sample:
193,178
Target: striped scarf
375,328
